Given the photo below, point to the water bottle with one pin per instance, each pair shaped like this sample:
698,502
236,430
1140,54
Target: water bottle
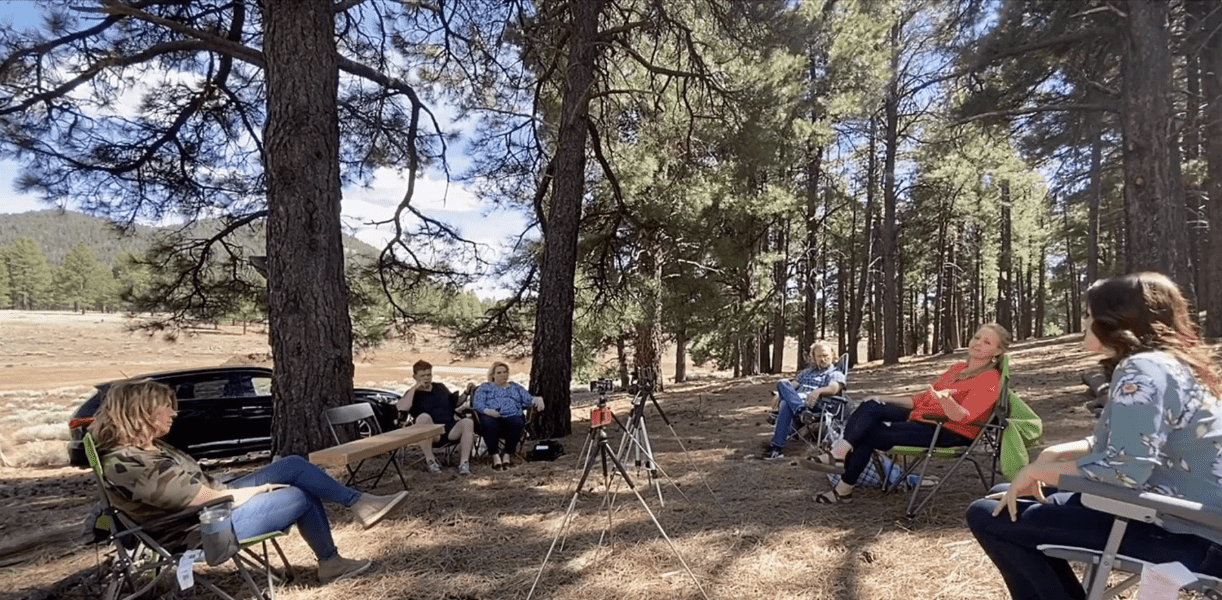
216,529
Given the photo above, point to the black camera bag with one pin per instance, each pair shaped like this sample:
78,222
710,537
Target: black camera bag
545,450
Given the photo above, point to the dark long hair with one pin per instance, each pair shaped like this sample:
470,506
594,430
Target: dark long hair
1146,311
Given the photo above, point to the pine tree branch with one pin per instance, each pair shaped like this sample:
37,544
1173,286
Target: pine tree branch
1018,112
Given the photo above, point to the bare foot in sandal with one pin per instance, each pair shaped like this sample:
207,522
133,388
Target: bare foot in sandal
832,497
824,462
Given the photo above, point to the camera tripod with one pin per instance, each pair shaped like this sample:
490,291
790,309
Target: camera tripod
635,442
598,449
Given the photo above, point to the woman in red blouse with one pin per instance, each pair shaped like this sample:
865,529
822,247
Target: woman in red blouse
965,393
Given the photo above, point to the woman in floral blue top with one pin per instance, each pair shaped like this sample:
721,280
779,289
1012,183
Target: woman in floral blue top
1159,432
500,403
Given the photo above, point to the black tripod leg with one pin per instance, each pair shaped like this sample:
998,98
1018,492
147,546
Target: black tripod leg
595,446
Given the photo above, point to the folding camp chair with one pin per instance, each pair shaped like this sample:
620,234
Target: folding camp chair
355,421
1204,520
445,448
148,554
819,426
986,445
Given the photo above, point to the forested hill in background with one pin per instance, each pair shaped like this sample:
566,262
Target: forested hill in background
53,260
57,232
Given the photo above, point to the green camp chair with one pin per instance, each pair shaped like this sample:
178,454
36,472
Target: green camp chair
148,553
986,445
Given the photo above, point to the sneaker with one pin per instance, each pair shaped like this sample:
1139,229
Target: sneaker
464,469
772,453
433,467
337,568
370,509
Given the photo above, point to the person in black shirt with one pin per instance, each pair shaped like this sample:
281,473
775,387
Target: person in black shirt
429,402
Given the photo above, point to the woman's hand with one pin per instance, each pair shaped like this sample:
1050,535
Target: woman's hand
537,402
1030,481
492,413
949,406
1025,484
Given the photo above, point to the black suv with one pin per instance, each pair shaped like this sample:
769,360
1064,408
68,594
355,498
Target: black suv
222,411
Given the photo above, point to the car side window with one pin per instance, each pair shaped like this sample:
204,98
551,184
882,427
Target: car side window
262,385
210,389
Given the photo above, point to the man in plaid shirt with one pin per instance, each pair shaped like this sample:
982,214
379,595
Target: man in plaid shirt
818,380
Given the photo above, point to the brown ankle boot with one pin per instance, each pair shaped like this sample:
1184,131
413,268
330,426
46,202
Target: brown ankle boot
370,508
338,567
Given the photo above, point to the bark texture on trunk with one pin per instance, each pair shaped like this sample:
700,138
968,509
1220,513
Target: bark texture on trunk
311,332
1211,84
1155,220
552,368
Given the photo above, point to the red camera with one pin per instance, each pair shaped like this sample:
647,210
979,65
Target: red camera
600,416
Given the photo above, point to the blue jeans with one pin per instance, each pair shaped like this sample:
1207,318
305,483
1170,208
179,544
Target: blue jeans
879,426
1030,575
301,503
505,428
790,405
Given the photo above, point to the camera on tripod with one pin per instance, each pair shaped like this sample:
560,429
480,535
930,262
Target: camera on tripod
645,379
602,386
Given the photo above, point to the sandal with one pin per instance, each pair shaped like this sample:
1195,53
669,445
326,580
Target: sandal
831,497
824,462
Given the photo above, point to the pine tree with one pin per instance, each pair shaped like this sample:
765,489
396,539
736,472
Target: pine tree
29,275
77,280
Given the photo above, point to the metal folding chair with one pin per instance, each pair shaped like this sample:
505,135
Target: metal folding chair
147,555
1204,520
356,421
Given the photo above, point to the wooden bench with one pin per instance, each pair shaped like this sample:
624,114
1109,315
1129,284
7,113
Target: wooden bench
383,443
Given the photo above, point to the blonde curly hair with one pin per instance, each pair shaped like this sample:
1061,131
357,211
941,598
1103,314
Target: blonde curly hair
125,416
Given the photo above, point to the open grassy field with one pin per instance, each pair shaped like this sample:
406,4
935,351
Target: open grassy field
745,527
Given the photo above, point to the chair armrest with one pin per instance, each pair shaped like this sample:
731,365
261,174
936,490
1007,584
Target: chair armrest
935,418
1107,498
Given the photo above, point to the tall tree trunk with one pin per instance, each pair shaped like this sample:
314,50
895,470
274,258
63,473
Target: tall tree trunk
1211,79
1073,310
779,272
552,369
307,295
890,296
647,352
810,296
857,309
949,328
875,344
1004,302
681,355
621,361
1094,200
1041,291
1154,208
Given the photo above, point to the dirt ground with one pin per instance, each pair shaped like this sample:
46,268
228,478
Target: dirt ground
746,528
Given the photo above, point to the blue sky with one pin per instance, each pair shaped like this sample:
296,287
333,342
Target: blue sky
451,202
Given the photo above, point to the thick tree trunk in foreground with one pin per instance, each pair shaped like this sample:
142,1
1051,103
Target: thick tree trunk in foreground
1155,220
307,295
1211,80
552,367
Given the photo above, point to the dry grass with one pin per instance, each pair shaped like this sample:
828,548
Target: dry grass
746,528
34,426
